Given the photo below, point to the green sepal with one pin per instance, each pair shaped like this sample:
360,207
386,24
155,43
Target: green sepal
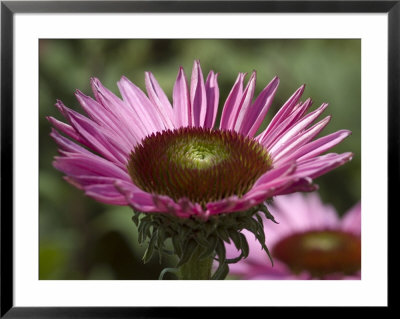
135,218
221,251
244,245
177,244
267,214
221,272
188,251
168,270
223,234
213,241
235,238
208,237
150,249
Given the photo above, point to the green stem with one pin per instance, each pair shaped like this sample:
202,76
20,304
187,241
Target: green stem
196,268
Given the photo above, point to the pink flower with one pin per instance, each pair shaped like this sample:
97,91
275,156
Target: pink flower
157,156
310,242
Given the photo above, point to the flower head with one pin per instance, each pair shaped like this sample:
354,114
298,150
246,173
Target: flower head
311,241
172,160
144,152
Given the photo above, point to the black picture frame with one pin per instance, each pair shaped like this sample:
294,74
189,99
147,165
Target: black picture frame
9,8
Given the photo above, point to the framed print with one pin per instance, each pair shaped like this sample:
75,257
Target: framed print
164,155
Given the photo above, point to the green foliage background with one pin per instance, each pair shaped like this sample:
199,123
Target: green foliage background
83,239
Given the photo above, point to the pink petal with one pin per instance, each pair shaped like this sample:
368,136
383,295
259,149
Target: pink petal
285,110
65,128
159,99
283,170
106,194
198,96
322,164
81,164
67,145
269,139
245,103
284,152
182,109
115,107
298,127
302,184
141,105
320,145
232,104
96,137
259,109
351,221
105,119
212,92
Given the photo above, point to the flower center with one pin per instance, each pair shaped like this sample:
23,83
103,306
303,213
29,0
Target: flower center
200,164
320,252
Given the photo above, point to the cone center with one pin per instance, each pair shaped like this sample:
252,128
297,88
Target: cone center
197,153
320,252
199,164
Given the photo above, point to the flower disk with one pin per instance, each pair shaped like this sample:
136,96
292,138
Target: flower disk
200,164
321,252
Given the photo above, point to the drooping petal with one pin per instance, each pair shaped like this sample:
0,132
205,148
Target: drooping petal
65,128
68,146
78,164
99,139
105,194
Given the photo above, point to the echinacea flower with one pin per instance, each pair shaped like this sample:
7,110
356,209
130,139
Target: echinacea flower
187,176
311,241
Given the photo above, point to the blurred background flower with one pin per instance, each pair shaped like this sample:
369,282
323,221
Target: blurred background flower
82,239
310,242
